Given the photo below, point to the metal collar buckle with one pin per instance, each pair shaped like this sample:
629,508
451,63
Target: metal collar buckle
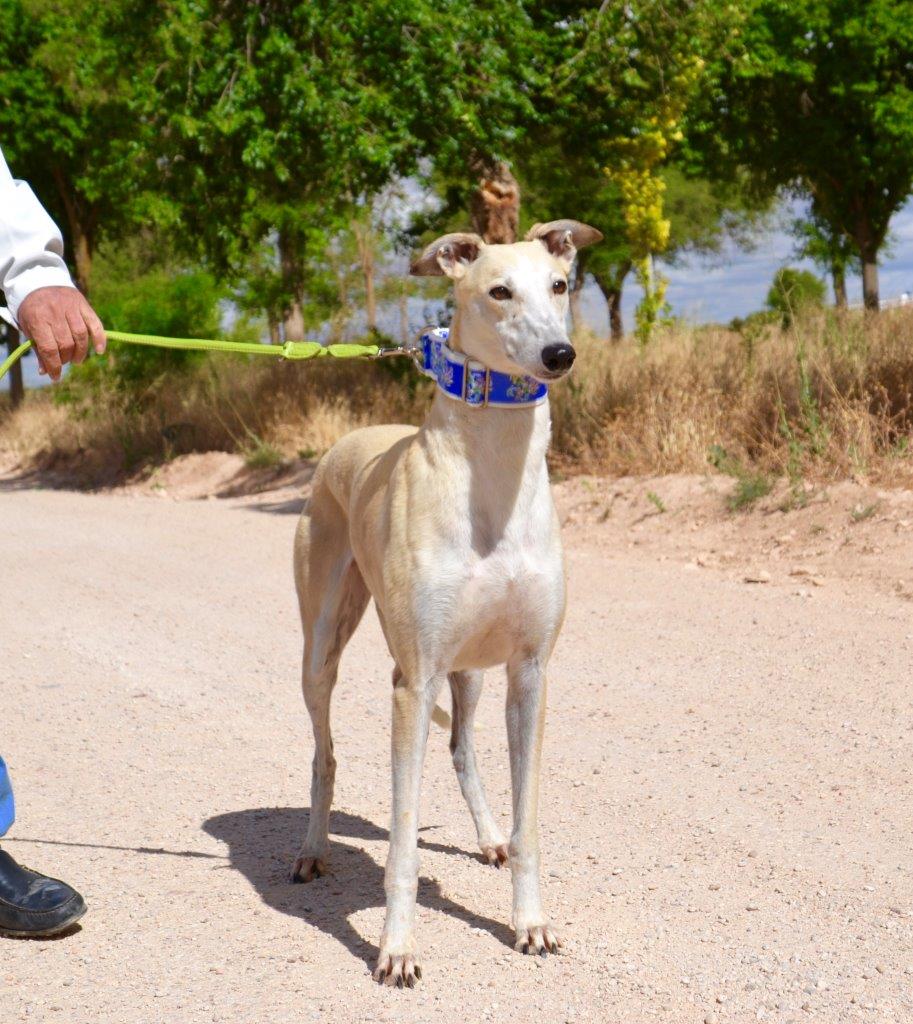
486,391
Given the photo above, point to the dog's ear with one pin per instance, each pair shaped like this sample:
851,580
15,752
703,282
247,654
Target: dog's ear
449,254
563,238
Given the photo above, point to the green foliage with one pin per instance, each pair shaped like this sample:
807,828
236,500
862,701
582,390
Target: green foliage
301,111
146,294
260,135
750,485
610,84
749,488
833,251
75,92
862,512
794,291
259,454
807,437
656,501
705,214
625,77
817,95
755,323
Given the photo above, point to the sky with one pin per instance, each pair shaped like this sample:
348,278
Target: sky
732,284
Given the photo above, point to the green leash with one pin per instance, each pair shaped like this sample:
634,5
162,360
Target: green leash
290,350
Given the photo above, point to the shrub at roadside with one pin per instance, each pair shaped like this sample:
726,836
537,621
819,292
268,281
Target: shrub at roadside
794,293
826,398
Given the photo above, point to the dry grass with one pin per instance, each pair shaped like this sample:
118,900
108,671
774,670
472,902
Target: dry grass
98,433
829,398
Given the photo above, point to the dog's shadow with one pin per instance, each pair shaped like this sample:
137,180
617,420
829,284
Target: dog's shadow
263,842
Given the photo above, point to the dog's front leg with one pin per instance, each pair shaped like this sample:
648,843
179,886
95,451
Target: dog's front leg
397,963
525,725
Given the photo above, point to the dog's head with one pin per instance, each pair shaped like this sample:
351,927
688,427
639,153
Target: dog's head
512,299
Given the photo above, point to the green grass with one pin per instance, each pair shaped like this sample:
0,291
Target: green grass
261,455
749,489
750,485
862,512
656,501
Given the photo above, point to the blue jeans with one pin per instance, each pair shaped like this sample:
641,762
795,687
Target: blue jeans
7,808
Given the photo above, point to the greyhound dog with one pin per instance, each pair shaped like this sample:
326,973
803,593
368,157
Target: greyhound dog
452,530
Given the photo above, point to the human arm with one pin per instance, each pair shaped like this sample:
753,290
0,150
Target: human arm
39,291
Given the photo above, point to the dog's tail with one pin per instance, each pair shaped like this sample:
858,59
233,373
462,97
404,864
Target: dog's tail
440,717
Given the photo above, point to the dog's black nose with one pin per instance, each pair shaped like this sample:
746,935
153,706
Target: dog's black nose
558,358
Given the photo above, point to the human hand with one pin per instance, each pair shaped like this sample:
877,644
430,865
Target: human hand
61,323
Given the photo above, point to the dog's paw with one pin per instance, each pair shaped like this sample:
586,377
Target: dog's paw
400,969
306,869
540,939
495,854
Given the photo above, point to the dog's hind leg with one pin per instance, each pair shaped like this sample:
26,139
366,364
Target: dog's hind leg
466,688
333,597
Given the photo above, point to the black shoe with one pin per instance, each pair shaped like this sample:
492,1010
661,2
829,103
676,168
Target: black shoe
32,906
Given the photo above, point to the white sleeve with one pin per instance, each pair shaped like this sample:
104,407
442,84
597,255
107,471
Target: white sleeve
31,247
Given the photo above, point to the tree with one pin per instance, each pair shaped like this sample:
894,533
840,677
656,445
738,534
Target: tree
624,76
833,251
558,182
301,113
816,96
701,215
794,291
495,205
599,82
371,227
75,85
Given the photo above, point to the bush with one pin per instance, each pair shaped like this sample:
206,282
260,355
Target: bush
136,289
795,292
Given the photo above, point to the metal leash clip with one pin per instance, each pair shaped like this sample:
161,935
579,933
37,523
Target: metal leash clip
415,349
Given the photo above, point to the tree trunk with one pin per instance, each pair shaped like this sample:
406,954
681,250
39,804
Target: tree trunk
575,295
838,275
870,280
81,225
364,239
294,322
616,324
290,266
370,297
82,257
495,206
868,242
274,336
340,316
404,316
17,385
611,288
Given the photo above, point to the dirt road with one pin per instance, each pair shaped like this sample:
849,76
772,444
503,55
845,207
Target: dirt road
726,812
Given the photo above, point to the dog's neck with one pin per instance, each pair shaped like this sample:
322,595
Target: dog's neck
504,450
519,434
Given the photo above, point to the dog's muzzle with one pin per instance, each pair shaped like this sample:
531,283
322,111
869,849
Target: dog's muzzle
558,359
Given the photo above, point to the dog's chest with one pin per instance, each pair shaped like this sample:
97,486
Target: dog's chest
483,607
508,585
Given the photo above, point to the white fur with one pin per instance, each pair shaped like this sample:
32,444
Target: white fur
453,532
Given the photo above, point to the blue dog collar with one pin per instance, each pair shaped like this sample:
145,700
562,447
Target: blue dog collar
471,382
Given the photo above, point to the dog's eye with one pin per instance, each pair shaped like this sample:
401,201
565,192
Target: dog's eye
500,293
559,287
